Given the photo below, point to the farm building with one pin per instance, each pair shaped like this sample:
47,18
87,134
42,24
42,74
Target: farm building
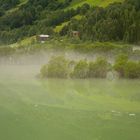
42,38
75,34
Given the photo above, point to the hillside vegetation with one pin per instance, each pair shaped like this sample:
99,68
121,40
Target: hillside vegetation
116,22
103,3
22,18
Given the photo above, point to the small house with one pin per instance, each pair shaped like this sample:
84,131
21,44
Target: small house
42,38
75,34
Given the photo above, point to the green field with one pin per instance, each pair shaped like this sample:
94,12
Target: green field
33,109
102,3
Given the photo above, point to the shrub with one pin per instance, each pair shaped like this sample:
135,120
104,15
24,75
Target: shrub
120,63
99,68
80,70
127,69
57,67
43,71
132,70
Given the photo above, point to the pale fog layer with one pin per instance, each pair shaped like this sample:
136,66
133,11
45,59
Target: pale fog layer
40,58
29,65
24,66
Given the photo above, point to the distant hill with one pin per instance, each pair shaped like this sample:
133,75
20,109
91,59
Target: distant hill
95,19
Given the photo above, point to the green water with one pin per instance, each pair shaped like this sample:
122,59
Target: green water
32,109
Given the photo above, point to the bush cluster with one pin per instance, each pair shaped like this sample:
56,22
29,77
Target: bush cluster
127,68
60,67
57,67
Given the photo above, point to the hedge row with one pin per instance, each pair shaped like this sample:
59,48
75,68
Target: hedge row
60,67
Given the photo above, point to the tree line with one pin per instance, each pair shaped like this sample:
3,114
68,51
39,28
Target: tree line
60,67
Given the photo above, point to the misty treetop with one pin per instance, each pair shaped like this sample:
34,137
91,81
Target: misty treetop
56,68
60,67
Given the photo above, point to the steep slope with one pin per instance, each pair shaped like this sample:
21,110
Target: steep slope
103,3
31,17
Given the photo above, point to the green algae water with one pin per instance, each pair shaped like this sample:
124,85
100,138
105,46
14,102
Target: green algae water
59,109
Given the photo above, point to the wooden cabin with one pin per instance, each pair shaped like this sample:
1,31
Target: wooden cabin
75,34
42,38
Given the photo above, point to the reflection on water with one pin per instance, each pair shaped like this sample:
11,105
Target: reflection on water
100,94
59,109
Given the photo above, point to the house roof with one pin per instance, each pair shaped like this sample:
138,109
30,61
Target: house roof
75,31
44,35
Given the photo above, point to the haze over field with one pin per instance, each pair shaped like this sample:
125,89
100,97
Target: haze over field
35,109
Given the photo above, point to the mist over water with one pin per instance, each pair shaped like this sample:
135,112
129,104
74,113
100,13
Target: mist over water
22,66
35,109
40,58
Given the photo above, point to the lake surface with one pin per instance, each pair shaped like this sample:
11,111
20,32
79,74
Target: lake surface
58,109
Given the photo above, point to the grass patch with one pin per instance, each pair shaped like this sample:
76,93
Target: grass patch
102,3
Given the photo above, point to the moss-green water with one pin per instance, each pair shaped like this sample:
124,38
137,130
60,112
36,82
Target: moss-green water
32,109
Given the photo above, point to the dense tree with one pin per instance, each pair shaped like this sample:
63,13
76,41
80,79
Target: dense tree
80,70
98,69
7,4
57,67
132,70
120,63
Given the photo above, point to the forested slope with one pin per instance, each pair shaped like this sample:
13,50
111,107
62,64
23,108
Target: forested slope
116,22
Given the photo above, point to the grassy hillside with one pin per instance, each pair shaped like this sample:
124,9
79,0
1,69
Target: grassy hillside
103,3
74,3
28,18
22,2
